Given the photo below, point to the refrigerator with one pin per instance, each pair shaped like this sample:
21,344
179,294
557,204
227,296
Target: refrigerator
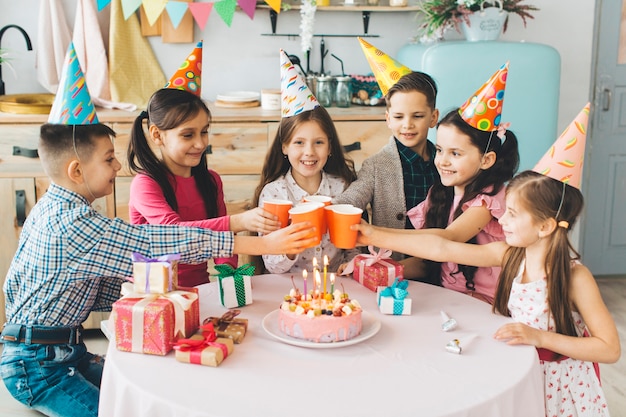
531,98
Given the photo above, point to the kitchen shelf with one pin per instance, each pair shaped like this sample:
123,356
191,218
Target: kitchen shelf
364,9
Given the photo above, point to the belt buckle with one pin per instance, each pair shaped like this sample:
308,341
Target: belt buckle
11,332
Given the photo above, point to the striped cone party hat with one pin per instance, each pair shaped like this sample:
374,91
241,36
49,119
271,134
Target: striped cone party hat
72,104
295,96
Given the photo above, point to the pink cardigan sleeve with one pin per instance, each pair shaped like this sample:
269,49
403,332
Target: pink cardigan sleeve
147,205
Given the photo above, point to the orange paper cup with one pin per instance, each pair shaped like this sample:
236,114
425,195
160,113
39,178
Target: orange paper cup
342,218
324,201
309,212
279,208
328,211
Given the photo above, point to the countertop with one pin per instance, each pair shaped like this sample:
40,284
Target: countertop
219,115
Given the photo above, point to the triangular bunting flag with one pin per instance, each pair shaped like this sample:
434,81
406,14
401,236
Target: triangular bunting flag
176,10
274,4
102,4
153,9
248,6
226,10
200,12
129,7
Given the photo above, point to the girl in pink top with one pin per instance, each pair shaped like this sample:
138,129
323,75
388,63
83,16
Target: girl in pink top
465,207
178,187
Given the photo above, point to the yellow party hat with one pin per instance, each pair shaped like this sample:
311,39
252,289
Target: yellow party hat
483,110
564,159
386,69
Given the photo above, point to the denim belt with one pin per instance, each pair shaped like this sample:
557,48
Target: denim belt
41,335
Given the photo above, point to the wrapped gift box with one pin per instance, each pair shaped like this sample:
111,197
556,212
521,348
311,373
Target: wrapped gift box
151,324
155,276
204,348
394,299
235,285
229,326
381,272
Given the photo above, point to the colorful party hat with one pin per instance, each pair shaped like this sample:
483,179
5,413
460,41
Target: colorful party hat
72,104
483,110
386,69
295,95
564,159
187,77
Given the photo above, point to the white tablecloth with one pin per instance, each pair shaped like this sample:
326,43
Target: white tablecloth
404,370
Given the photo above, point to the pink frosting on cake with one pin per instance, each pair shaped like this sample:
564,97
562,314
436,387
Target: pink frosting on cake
320,329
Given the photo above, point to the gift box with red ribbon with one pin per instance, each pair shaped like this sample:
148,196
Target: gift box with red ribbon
229,325
151,323
375,269
155,275
204,348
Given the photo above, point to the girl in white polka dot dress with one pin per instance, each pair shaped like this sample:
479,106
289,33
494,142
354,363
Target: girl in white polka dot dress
553,299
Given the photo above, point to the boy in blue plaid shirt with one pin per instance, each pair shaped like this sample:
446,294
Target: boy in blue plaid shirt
71,260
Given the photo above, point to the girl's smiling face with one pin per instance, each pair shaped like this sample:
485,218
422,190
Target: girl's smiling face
307,151
519,227
183,146
458,160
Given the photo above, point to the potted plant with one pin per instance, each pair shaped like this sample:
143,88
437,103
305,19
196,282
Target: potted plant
441,15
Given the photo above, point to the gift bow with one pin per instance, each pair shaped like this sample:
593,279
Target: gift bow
181,300
368,260
398,292
227,271
196,346
223,322
137,257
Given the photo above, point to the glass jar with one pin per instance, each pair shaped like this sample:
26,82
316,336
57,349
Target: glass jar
324,90
343,91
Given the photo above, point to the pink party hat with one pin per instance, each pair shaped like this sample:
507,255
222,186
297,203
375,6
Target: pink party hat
187,77
295,95
564,159
483,110
386,69
72,104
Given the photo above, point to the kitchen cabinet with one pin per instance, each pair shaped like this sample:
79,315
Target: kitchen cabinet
239,139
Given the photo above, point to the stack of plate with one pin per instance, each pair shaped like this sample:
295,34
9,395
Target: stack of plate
238,99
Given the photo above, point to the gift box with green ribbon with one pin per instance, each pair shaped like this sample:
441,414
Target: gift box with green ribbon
394,299
235,285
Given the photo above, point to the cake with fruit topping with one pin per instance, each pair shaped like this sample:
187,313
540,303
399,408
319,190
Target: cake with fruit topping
333,318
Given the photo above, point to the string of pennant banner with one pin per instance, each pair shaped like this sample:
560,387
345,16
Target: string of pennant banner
200,10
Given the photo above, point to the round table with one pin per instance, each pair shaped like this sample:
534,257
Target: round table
403,370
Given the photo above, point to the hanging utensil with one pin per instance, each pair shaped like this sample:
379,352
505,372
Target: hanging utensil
343,73
324,52
295,60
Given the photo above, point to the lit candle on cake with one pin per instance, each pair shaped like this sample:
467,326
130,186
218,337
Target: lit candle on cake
304,276
332,282
318,280
325,270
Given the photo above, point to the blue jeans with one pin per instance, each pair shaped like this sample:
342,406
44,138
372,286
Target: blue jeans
56,380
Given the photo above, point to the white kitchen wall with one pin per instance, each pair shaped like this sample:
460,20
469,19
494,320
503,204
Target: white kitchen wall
241,58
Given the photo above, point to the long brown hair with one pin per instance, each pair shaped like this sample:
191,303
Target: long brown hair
168,108
441,197
276,165
545,198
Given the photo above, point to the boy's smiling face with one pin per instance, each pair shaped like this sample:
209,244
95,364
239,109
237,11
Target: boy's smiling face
409,116
100,169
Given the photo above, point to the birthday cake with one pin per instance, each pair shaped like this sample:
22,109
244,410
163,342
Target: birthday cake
332,318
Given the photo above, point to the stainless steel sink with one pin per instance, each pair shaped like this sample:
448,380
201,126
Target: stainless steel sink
26,103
